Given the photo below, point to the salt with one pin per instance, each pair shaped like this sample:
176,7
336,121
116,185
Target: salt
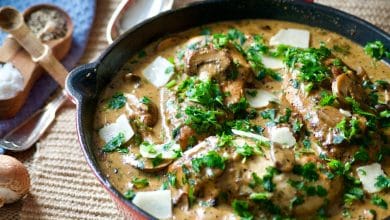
11,81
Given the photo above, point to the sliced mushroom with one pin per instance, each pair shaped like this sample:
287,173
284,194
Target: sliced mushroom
168,42
184,136
147,113
348,85
329,116
208,61
234,91
131,77
14,180
241,65
284,159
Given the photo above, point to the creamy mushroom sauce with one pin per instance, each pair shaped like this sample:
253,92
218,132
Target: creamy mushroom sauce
214,188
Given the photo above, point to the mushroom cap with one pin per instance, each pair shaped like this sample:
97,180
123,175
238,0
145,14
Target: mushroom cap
14,179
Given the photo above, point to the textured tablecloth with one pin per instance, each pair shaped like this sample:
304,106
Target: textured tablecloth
62,185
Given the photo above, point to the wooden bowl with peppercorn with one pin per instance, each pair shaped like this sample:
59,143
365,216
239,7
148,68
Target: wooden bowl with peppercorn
53,27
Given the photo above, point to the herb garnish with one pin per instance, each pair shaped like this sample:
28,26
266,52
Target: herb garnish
310,60
117,101
307,171
348,130
140,183
205,93
201,120
327,99
212,160
241,208
129,194
145,100
378,201
353,194
376,50
267,179
115,144
382,182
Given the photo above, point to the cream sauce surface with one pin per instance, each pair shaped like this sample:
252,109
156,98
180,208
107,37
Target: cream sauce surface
118,166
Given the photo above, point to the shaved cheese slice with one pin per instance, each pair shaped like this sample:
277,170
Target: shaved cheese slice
250,135
282,136
272,63
122,125
168,150
159,71
368,174
345,112
157,203
261,98
291,37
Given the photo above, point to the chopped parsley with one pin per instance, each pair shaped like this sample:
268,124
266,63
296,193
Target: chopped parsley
384,114
205,93
376,50
251,93
140,183
241,208
327,99
236,35
353,194
267,179
245,150
309,190
115,144
191,196
361,155
117,101
129,194
382,182
356,107
256,181
307,171
284,118
212,160
262,196
378,201
306,143
201,120
268,114
239,108
348,130
220,40
297,200
312,70
297,126
172,179
338,167
224,140
170,84
145,100
157,160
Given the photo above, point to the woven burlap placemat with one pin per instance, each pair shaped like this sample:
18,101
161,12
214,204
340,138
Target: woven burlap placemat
63,187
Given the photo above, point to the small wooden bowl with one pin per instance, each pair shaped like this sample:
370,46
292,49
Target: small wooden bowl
22,61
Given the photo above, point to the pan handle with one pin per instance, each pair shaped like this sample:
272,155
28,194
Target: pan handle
81,82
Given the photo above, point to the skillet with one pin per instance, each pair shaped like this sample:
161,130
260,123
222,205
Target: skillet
85,83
